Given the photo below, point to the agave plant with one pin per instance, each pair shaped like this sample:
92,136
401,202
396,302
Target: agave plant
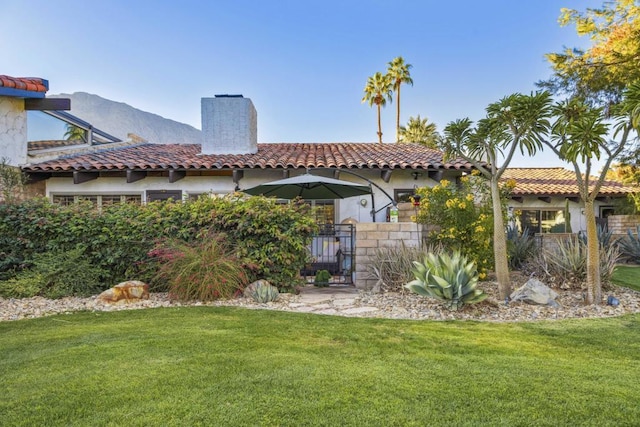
449,278
263,292
630,246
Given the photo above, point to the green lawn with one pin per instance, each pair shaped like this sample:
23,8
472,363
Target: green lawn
233,367
628,276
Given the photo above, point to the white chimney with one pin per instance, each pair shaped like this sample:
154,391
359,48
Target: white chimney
229,125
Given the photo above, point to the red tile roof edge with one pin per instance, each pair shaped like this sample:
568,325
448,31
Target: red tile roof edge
29,84
148,156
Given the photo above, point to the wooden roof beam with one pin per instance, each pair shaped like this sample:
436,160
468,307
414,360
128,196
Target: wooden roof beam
82,177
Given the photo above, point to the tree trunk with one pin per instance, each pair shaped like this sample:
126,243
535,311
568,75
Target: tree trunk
379,126
594,288
500,243
398,117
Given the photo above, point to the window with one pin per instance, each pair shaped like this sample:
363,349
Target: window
161,195
541,221
403,195
97,200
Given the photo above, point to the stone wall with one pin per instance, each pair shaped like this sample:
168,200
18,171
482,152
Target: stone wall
373,235
13,130
619,224
551,240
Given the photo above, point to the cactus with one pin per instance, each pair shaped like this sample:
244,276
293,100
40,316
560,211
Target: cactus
263,292
451,279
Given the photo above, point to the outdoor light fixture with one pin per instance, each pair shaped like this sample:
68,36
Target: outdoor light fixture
416,175
363,202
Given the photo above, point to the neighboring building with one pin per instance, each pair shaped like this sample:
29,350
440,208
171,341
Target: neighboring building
14,93
539,199
230,159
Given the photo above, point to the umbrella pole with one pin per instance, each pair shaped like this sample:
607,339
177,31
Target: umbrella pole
373,205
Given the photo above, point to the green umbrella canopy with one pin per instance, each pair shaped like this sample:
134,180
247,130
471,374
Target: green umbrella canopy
309,187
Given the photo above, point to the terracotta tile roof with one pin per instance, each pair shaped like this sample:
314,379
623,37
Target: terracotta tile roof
30,84
284,155
555,182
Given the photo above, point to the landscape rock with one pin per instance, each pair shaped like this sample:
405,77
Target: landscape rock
535,292
130,291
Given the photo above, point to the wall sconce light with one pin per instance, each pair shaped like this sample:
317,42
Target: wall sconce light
363,202
581,211
416,175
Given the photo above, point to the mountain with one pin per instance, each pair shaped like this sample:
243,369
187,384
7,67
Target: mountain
120,119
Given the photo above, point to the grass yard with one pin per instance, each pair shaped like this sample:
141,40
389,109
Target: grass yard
628,276
236,367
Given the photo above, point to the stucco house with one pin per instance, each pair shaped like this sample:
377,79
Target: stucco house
230,159
541,195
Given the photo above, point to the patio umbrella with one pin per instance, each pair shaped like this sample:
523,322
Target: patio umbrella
309,187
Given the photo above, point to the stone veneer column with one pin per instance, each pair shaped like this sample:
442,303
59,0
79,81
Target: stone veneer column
13,130
373,235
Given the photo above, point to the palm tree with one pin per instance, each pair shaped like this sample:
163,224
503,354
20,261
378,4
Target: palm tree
398,72
74,133
377,91
420,131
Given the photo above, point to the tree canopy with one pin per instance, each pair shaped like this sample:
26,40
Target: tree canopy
420,131
600,73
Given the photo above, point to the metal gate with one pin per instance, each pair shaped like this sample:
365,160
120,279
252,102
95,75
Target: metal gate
332,249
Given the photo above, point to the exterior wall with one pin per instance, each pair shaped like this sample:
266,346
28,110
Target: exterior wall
346,209
576,209
371,236
13,130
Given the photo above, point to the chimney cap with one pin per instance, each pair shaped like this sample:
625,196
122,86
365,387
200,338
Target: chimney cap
227,96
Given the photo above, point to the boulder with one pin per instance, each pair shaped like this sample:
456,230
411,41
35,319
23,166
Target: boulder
130,291
535,292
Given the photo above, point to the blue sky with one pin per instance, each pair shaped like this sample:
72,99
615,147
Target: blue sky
303,63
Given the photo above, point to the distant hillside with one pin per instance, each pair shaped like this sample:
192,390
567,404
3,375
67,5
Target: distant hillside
119,119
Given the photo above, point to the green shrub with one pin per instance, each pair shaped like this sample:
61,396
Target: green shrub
450,278
393,266
270,238
56,274
461,217
520,247
566,263
322,278
629,246
204,270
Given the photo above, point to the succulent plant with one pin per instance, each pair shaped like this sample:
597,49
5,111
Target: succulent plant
449,278
263,292
322,278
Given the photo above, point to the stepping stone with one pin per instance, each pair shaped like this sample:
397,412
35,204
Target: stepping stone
321,306
314,298
344,302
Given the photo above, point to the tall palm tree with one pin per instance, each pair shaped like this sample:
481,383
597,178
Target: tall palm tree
378,91
398,72
420,131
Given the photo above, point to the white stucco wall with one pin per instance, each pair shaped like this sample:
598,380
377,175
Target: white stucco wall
13,130
350,208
